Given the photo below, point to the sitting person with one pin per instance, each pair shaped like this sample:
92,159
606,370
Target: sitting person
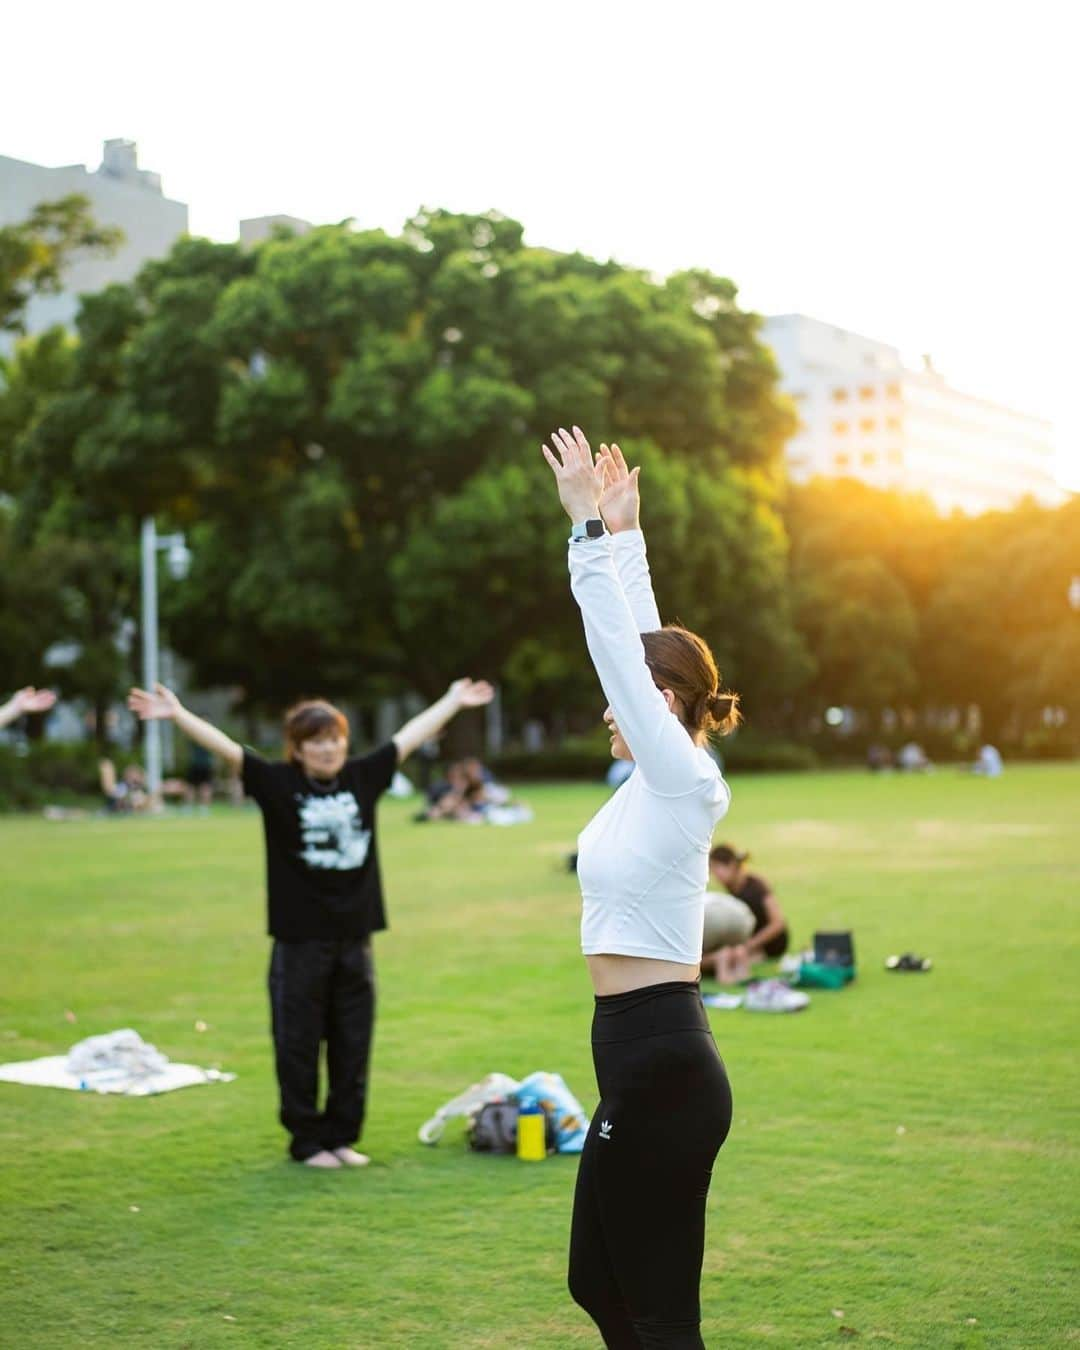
988,762
123,793
743,926
480,776
471,794
912,758
461,797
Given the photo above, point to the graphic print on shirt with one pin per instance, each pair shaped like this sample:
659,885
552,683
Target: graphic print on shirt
332,833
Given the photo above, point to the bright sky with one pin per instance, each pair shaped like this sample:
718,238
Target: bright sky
903,170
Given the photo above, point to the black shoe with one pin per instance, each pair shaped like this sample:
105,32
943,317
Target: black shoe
909,961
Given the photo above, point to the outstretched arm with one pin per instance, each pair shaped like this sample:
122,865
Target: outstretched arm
660,744
28,700
164,704
425,725
620,505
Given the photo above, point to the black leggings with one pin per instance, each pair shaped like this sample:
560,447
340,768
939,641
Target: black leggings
638,1233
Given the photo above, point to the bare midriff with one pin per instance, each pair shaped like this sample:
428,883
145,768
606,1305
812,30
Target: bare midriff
620,974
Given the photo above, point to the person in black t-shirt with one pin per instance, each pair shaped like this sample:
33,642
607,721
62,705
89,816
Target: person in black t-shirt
324,894
769,937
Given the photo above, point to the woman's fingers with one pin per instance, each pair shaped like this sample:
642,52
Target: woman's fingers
583,444
571,450
618,463
570,453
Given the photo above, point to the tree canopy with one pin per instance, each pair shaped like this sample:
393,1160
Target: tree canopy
347,425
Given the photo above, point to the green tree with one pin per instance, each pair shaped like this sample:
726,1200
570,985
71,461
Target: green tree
861,628
348,424
33,252
999,629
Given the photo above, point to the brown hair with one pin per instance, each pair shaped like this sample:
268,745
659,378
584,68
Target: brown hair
724,853
310,719
680,661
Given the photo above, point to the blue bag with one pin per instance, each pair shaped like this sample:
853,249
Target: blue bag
550,1093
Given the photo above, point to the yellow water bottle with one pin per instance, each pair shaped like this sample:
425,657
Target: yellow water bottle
531,1133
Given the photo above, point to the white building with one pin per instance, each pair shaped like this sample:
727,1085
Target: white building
256,229
120,194
863,414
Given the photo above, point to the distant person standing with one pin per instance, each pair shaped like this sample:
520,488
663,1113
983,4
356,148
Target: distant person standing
324,892
200,775
743,926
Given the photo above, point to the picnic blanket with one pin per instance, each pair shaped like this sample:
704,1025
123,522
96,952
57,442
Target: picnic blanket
118,1062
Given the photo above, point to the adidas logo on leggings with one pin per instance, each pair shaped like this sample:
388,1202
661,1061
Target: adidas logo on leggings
605,1129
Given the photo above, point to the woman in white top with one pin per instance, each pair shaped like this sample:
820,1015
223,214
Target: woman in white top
639,1209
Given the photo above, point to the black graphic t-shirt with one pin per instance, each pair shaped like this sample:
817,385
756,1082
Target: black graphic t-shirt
322,863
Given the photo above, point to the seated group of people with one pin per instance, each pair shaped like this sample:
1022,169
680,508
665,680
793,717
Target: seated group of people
743,926
467,793
127,791
912,758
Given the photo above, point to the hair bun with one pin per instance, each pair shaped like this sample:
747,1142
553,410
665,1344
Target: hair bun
724,708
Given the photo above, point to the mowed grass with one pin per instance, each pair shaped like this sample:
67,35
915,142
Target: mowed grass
902,1164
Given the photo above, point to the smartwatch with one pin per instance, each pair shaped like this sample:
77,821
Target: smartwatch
586,529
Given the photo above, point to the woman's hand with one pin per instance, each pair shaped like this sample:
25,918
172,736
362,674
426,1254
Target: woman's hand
620,501
31,700
579,480
471,693
28,700
162,704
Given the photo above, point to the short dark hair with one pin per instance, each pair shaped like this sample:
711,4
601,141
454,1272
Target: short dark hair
310,719
724,853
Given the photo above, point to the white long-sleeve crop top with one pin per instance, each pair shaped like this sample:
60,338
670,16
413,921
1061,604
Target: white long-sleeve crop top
643,859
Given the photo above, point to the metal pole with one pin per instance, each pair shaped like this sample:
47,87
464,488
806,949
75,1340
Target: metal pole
151,728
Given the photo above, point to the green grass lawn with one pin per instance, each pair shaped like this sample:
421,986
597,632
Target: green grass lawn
901,1165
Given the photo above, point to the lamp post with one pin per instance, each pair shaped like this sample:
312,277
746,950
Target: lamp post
178,561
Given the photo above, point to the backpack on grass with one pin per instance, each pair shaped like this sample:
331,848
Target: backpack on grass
494,1129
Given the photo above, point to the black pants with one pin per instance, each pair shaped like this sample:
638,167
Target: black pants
638,1233
322,990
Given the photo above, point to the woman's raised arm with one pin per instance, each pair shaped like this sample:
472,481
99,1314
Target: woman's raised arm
661,745
164,705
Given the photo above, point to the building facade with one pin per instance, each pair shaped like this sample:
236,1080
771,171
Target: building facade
864,414
257,229
120,194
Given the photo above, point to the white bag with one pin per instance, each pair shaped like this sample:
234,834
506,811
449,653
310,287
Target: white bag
496,1087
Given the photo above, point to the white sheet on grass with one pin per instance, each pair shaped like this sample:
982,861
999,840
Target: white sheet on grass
118,1062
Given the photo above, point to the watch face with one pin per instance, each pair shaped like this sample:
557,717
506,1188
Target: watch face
594,528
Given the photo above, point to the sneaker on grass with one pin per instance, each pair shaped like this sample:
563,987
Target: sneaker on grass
774,996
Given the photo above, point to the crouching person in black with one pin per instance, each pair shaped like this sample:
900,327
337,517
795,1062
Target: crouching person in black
324,893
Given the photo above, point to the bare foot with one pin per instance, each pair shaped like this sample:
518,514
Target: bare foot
322,1159
351,1158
